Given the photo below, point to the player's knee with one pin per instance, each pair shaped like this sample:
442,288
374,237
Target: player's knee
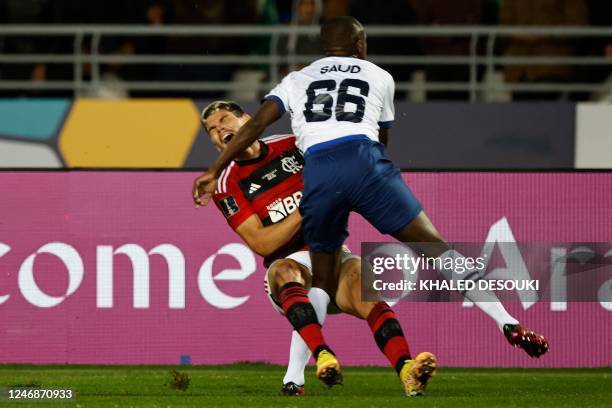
285,271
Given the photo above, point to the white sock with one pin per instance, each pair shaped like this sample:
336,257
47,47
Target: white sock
299,354
320,300
485,300
495,310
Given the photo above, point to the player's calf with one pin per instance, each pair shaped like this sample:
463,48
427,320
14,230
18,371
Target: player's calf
388,335
414,374
380,317
302,316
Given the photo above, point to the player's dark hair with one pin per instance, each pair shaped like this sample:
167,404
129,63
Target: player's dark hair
229,106
340,34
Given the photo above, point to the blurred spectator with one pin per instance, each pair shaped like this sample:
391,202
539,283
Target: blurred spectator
23,12
541,13
442,12
605,95
78,12
283,9
152,13
198,12
267,14
397,12
302,13
307,12
110,82
600,15
201,12
336,8
156,13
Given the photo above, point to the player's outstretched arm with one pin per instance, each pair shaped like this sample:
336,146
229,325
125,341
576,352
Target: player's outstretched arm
204,186
266,240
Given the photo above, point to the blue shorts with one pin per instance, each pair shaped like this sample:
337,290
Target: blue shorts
352,174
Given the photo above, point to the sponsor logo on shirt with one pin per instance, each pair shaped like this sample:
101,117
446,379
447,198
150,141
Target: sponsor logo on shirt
282,207
270,176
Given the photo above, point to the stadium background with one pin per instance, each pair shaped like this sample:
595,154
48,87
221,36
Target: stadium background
71,218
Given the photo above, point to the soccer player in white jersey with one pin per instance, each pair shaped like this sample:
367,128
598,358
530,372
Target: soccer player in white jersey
341,109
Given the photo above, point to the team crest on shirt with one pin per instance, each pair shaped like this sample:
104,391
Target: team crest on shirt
229,206
291,165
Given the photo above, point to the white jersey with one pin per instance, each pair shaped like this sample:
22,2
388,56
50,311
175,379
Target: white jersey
336,97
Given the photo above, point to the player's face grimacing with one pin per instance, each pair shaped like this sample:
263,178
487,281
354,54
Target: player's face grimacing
222,126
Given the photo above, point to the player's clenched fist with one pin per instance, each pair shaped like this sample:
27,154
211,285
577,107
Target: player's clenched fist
203,188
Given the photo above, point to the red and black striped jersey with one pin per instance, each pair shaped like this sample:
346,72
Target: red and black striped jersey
269,186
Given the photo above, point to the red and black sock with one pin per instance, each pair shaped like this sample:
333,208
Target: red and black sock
302,316
389,335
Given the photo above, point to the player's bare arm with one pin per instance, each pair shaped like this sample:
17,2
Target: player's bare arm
266,240
204,186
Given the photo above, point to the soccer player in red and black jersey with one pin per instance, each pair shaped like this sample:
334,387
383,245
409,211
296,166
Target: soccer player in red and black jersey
259,194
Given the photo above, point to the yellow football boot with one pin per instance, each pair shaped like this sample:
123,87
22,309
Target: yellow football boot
416,373
328,369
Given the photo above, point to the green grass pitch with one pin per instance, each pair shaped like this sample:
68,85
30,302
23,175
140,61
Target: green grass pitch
256,385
